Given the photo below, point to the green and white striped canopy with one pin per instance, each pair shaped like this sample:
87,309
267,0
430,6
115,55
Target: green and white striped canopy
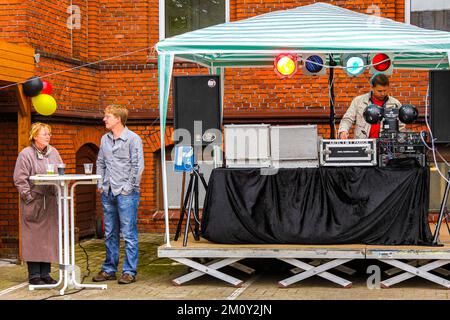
315,28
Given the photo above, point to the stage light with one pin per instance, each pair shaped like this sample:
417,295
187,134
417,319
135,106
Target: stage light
286,65
354,64
373,114
408,113
381,62
314,64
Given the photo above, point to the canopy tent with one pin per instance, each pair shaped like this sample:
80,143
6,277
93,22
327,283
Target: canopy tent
315,28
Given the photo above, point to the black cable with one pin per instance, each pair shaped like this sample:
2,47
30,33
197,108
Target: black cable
89,270
84,277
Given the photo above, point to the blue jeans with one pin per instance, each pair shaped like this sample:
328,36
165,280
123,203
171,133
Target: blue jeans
120,215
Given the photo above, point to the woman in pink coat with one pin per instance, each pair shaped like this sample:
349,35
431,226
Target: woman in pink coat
39,205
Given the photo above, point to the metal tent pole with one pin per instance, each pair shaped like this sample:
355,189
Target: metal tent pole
331,95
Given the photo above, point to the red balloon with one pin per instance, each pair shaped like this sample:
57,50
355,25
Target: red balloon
48,89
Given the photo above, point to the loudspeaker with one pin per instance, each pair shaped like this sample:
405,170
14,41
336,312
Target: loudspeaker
197,114
440,105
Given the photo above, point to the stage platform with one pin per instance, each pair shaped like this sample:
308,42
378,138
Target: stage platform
420,260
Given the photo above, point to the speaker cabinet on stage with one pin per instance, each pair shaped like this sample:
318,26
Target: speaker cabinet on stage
440,105
196,105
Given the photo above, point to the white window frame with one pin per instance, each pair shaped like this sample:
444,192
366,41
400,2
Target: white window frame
162,17
408,11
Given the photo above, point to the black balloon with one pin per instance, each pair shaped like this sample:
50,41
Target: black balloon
408,113
373,114
33,87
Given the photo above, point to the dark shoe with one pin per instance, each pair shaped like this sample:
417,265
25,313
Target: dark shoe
36,281
49,280
126,279
104,276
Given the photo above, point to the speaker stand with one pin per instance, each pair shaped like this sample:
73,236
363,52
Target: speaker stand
191,206
443,214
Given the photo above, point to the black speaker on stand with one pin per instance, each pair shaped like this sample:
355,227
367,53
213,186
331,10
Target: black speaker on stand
197,123
440,119
440,105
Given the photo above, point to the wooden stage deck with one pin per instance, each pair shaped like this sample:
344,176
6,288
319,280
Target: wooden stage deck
206,249
419,260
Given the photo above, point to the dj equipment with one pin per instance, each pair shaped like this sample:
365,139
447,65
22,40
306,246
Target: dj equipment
390,123
247,145
294,146
401,145
339,153
405,137
196,107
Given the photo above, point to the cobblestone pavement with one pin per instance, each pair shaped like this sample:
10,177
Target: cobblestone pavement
155,275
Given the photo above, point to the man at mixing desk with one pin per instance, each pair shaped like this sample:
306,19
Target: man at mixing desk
378,96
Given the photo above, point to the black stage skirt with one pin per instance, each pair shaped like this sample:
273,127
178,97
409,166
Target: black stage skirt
327,205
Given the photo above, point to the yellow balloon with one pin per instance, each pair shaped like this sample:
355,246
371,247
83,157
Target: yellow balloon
44,104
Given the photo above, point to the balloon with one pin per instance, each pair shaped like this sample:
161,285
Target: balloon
32,87
48,88
44,104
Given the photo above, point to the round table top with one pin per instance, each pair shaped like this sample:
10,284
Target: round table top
64,177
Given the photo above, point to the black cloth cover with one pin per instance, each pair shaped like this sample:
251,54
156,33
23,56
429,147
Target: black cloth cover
327,205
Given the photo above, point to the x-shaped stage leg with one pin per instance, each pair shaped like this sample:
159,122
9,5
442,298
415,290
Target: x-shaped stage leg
413,272
210,268
418,263
317,262
315,271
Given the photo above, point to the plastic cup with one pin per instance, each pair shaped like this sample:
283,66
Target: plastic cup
50,169
61,168
88,168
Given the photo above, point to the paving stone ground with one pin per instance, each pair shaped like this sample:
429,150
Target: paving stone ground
155,275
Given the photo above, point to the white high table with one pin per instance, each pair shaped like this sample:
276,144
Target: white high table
66,240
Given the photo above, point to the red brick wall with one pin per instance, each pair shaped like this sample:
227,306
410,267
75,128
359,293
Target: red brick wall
9,223
13,21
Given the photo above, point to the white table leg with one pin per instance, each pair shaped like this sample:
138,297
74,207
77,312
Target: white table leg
66,239
72,236
60,253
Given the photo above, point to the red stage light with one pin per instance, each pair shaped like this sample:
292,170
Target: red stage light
381,62
285,65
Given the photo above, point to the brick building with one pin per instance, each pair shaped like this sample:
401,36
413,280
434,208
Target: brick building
68,37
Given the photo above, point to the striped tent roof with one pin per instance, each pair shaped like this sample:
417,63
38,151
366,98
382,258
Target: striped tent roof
315,28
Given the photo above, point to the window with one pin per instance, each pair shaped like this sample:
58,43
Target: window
180,16
430,14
